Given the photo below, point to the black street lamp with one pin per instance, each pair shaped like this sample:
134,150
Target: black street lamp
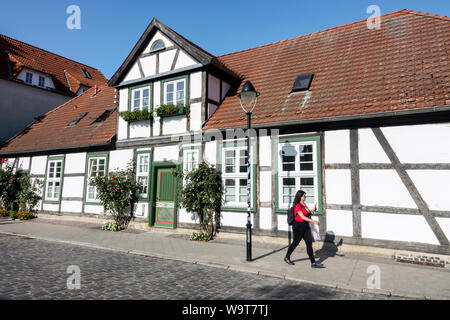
248,98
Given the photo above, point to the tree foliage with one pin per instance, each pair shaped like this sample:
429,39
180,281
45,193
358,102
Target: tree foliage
118,191
202,194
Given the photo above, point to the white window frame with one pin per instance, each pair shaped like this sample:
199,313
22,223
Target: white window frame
88,186
30,76
52,179
141,98
193,160
140,174
297,174
175,82
236,176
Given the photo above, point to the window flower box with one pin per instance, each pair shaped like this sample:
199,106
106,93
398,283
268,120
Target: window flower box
138,115
170,110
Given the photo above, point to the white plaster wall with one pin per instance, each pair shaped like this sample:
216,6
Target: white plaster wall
340,222
213,88
396,227
235,219
166,60
51,207
122,129
433,186
148,65
94,209
35,81
38,165
265,192
119,159
141,209
75,163
195,84
211,152
71,206
156,126
337,146
172,125
184,60
24,163
123,100
265,218
338,186
133,74
140,129
444,223
73,187
420,143
156,94
384,188
370,149
282,223
187,217
167,153
196,117
265,151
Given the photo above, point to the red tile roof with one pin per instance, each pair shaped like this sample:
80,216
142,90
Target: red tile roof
51,132
402,66
22,55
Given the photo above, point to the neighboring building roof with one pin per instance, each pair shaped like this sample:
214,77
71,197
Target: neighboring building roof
53,132
67,75
357,71
203,57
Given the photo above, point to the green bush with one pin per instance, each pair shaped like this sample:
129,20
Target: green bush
167,110
13,215
118,192
111,226
201,236
137,115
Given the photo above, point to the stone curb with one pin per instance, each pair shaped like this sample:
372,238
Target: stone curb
227,267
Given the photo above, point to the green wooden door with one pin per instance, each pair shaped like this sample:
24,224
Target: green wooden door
164,206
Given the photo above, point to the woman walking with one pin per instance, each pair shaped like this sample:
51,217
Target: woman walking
302,217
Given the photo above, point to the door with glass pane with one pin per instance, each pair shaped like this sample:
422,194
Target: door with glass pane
164,205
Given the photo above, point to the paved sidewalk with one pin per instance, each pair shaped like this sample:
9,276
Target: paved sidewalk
349,271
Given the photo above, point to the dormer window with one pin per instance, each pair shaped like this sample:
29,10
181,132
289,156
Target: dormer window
29,78
157,45
41,81
86,74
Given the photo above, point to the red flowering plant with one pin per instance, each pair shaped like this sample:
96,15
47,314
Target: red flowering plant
167,110
17,190
118,192
137,115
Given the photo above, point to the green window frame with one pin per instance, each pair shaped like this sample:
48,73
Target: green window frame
175,81
298,165
87,176
238,206
156,45
51,180
143,172
132,91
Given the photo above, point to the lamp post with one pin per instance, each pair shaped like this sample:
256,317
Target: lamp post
248,98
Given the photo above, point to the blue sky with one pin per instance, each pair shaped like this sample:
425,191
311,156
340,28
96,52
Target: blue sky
110,29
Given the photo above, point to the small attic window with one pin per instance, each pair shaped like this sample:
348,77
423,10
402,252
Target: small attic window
302,82
77,119
157,45
101,118
86,73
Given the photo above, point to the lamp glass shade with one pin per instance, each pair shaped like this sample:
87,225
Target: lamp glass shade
248,96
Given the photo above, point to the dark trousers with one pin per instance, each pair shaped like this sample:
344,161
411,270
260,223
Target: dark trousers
301,231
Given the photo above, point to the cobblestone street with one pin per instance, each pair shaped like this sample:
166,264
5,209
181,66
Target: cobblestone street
35,269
